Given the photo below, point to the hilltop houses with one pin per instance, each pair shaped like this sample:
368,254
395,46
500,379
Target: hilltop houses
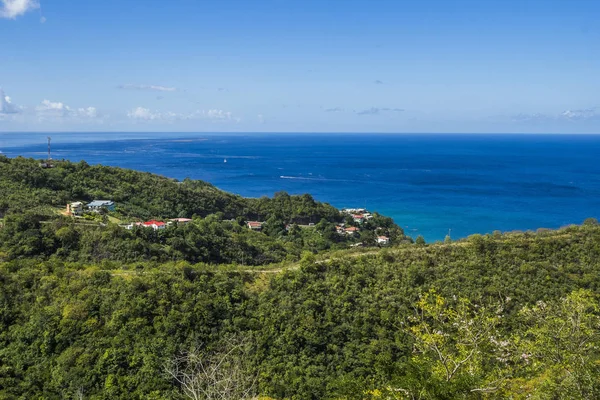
354,210
78,208
75,209
98,205
359,215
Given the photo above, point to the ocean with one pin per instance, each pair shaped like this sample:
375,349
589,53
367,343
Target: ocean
430,184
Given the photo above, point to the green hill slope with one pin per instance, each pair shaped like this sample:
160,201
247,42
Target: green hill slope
24,185
32,199
351,326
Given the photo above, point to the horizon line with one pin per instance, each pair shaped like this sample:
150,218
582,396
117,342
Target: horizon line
301,133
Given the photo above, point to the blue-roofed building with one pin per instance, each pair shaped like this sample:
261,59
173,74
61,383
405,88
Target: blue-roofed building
98,205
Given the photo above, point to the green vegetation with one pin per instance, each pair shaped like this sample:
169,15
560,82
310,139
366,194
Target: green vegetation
489,317
31,198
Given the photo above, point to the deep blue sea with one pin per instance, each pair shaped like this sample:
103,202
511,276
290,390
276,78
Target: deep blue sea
429,184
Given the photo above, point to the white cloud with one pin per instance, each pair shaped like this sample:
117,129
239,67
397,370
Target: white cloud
145,114
48,105
218,114
568,115
530,117
12,9
378,111
157,88
581,114
89,112
58,110
6,104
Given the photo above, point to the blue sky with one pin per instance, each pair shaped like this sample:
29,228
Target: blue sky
300,65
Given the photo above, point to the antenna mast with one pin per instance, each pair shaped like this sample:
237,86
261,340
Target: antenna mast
49,155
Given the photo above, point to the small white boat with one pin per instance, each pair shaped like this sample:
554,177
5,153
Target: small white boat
225,160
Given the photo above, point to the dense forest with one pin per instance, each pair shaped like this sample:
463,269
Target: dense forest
493,316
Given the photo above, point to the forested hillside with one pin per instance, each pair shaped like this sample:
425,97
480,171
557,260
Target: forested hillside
33,202
495,316
25,186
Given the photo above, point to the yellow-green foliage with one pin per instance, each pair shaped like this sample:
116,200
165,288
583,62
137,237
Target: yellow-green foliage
494,316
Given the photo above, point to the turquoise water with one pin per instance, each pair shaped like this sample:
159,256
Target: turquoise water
429,184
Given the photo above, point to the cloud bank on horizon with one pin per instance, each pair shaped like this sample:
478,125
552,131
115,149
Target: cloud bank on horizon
250,66
147,115
157,88
47,112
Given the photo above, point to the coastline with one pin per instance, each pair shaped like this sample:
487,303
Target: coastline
433,183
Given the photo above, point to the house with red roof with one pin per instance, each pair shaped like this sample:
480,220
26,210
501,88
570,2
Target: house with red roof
156,225
358,218
352,230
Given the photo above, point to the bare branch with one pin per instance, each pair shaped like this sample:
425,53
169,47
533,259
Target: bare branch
223,374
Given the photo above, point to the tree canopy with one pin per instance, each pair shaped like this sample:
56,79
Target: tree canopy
91,310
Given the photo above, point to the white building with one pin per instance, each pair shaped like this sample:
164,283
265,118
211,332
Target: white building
98,205
75,209
383,240
156,225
